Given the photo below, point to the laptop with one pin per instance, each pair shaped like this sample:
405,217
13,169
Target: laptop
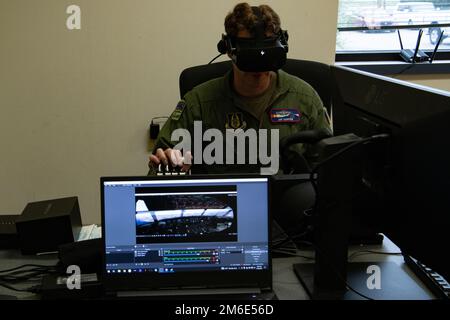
187,236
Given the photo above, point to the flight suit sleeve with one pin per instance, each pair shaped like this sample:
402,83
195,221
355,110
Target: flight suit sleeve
183,117
186,112
320,118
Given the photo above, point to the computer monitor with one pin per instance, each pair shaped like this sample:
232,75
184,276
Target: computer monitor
181,232
408,176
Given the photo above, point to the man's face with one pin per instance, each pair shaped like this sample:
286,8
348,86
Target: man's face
254,80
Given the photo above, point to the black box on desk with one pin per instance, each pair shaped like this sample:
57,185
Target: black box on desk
8,232
45,225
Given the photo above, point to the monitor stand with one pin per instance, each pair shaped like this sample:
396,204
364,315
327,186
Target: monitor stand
339,173
396,283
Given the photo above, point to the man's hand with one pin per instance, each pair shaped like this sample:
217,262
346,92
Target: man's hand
171,157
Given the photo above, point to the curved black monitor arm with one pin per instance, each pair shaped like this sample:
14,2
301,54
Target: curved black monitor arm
299,164
340,158
291,211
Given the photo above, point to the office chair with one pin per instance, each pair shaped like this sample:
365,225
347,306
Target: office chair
317,74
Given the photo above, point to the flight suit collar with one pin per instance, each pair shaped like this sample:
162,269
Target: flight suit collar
282,86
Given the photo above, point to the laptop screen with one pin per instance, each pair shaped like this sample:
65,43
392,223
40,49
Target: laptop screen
186,230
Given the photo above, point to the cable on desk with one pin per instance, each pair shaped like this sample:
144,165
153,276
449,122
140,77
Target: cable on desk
294,254
288,238
277,243
33,289
27,265
286,243
28,275
366,252
403,71
24,273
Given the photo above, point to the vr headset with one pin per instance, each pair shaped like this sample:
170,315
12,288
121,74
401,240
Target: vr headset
259,54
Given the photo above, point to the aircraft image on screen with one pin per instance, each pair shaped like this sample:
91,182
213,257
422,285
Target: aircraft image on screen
185,218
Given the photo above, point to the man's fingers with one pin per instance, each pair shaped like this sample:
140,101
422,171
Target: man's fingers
187,158
154,161
174,157
187,161
162,156
171,156
178,158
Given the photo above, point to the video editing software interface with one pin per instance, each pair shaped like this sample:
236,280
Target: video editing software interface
171,226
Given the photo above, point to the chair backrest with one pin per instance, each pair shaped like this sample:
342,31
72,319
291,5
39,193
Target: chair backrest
317,74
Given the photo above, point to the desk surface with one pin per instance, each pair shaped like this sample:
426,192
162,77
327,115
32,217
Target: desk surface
285,283
13,258
288,287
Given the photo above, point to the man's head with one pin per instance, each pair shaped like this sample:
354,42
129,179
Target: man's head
255,42
243,18
254,38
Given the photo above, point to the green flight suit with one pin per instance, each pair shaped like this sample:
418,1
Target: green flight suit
217,106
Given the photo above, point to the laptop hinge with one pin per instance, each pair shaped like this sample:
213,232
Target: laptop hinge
187,292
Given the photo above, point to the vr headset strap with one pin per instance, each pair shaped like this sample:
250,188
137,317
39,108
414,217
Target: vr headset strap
259,30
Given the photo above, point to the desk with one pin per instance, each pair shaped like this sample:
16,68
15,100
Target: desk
13,258
286,284
288,287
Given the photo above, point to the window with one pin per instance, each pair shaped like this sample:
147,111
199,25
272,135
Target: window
371,27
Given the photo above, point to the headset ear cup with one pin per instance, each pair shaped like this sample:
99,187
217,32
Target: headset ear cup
285,40
222,47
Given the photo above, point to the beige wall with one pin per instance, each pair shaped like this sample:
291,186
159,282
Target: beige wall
75,105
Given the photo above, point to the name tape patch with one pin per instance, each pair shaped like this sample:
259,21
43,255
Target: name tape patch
284,115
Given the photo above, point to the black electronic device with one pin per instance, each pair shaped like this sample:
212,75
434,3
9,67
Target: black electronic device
334,185
154,130
407,177
8,232
257,54
155,126
186,235
417,55
294,195
87,255
292,162
44,225
403,175
434,281
55,287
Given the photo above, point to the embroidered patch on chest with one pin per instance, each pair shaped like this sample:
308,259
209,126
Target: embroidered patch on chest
284,115
235,121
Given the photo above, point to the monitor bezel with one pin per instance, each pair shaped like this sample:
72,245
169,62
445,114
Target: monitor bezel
409,176
261,279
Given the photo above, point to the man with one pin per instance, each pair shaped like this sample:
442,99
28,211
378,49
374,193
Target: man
261,99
